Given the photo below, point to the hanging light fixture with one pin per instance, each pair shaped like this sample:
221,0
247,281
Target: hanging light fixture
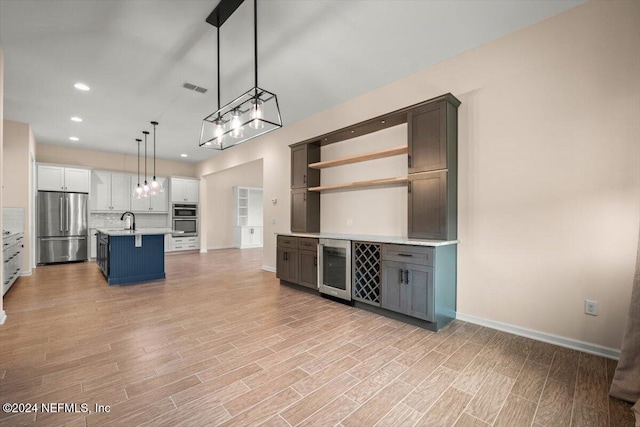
145,188
257,108
137,193
156,187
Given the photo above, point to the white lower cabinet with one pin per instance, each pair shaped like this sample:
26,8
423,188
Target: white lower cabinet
167,243
184,243
248,237
93,250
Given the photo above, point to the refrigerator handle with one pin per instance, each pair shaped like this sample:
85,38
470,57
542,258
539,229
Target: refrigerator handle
66,219
61,216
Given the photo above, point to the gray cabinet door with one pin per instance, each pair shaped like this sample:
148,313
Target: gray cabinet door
287,264
428,138
305,211
418,299
392,286
301,175
428,206
308,263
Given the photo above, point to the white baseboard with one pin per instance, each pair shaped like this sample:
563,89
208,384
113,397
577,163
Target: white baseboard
598,350
26,273
267,268
3,317
203,251
214,248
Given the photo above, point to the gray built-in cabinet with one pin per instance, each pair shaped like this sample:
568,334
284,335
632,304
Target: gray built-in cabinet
432,159
433,170
297,260
305,205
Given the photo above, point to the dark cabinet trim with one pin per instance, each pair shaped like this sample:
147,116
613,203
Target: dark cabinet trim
384,121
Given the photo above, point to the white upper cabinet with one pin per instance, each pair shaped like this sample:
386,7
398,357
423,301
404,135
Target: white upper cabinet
184,190
60,178
120,196
110,191
157,203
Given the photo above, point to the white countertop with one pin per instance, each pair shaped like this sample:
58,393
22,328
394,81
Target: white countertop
379,239
139,231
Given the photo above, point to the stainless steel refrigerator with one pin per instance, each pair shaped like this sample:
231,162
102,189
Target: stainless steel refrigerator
62,227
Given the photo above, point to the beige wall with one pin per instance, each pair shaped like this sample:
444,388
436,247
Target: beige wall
219,209
2,314
549,168
18,141
110,161
351,211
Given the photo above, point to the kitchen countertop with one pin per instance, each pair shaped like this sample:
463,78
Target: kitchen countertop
368,238
139,231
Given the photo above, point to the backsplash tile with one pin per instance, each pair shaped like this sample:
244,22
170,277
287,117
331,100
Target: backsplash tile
13,219
112,220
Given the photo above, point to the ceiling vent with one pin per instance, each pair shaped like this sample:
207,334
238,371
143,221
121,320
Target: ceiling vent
194,88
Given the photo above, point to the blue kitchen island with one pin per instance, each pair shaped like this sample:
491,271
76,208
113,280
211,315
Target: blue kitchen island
127,257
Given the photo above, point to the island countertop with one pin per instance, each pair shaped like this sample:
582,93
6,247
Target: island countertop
139,231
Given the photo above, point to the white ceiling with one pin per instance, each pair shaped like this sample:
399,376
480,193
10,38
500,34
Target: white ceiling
135,55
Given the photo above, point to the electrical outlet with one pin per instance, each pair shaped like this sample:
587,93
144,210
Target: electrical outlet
349,222
273,221
591,307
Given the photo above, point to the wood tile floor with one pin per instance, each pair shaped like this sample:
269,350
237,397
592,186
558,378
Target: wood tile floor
221,342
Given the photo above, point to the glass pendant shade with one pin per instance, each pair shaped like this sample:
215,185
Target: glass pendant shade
137,193
156,187
237,129
256,114
146,190
241,120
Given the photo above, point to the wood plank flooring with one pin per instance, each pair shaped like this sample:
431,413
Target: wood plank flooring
221,342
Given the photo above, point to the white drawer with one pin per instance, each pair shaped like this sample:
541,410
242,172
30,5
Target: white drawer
184,240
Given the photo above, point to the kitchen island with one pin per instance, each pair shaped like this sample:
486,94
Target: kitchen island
127,257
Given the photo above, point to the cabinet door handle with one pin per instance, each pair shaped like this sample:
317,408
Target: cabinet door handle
315,261
406,281
409,159
409,187
304,178
405,255
304,197
401,277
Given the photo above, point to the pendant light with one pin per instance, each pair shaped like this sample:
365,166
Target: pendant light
145,188
137,193
257,108
156,187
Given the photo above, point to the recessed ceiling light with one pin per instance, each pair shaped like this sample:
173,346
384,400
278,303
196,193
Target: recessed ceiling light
81,86
207,143
183,155
74,138
76,119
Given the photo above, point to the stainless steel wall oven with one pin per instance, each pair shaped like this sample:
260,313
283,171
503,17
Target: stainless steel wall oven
185,219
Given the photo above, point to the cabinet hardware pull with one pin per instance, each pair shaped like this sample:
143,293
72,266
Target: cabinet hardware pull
315,261
401,277
407,276
305,196
409,186
304,178
409,159
405,255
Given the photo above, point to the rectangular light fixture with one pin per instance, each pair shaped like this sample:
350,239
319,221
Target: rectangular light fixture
250,115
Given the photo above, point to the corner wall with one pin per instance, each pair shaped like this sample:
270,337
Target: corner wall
549,168
220,202
18,141
2,314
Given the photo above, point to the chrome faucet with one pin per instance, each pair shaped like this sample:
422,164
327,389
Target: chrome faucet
133,217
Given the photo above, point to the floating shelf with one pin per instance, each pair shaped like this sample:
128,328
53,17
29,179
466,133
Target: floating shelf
388,152
370,183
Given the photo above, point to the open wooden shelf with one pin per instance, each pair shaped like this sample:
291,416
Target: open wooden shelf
388,152
370,183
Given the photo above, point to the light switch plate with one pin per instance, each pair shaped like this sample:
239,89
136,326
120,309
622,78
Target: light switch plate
591,307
